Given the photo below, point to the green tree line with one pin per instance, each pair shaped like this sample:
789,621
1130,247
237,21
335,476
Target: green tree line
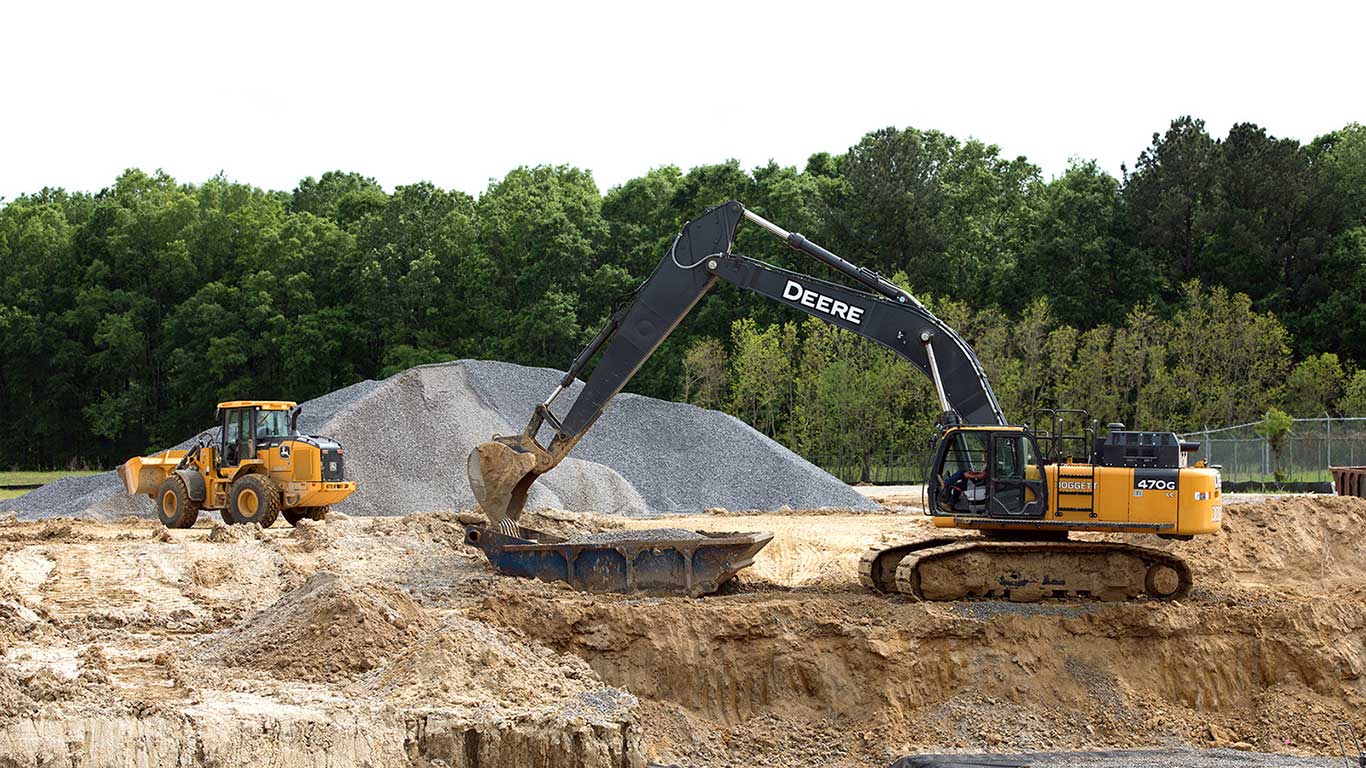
1215,279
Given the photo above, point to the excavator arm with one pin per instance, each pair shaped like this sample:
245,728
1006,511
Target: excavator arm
501,471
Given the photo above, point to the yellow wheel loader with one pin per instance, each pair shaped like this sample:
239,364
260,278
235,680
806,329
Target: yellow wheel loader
257,468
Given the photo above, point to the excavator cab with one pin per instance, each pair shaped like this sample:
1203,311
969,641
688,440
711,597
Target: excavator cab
987,472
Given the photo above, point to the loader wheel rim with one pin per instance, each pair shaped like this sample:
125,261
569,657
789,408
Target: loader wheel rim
168,504
248,502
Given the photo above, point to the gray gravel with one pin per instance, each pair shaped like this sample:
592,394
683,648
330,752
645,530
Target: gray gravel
406,441
635,537
679,457
602,704
986,610
1156,758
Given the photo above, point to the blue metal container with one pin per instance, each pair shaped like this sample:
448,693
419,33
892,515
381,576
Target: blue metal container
684,566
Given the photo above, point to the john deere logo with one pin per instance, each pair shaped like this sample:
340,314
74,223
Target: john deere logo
284,451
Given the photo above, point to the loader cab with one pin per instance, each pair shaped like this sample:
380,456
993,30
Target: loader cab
987,472
251,426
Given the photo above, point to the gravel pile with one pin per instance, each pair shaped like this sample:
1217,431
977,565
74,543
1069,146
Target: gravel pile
636,537
679,457
599,704
407,439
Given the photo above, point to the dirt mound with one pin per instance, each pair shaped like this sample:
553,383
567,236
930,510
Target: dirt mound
326,630
1303,541
30,693
507,702
236,533
466,663
839,677
405,649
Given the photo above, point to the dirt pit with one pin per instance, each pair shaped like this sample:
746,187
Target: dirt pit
387,642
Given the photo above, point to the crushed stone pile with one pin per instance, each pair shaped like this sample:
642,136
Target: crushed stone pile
326,630
636,537
407,439
679,457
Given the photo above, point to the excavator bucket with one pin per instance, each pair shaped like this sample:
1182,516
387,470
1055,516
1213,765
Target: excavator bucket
500,474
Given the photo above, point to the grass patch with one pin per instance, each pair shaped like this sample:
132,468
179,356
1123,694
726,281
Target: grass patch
8,493
38,478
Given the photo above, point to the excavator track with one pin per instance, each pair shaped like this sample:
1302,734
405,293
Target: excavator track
1025,571
877,568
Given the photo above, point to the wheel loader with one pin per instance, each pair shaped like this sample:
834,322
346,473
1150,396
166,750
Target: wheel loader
255,469
1023,489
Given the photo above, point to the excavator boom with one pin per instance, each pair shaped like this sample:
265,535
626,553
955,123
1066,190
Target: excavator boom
501,471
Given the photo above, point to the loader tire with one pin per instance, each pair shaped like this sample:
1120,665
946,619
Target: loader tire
175,508
294,514
254,499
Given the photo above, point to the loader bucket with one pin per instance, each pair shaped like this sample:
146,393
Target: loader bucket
500,476
144,474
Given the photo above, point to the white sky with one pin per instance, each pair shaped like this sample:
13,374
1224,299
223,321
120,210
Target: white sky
271,92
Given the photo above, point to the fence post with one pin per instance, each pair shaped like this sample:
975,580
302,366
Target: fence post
1330,440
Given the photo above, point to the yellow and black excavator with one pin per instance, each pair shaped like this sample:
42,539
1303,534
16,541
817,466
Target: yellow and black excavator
1024,489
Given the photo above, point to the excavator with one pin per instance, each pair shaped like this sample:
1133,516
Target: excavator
1023,489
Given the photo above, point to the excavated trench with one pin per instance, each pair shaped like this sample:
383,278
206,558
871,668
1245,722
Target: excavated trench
386,643
1033,675
1268,652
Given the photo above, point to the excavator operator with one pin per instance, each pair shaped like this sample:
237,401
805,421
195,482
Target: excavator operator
957,483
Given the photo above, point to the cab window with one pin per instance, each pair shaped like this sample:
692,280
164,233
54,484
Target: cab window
238,426
271,424
1013,458
966,453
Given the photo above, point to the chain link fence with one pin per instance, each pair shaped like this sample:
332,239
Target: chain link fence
906,468
1306,452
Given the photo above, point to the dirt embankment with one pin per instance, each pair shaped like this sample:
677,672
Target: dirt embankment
387,642
343,642
800,661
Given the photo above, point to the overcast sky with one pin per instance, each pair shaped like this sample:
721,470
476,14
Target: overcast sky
271,92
